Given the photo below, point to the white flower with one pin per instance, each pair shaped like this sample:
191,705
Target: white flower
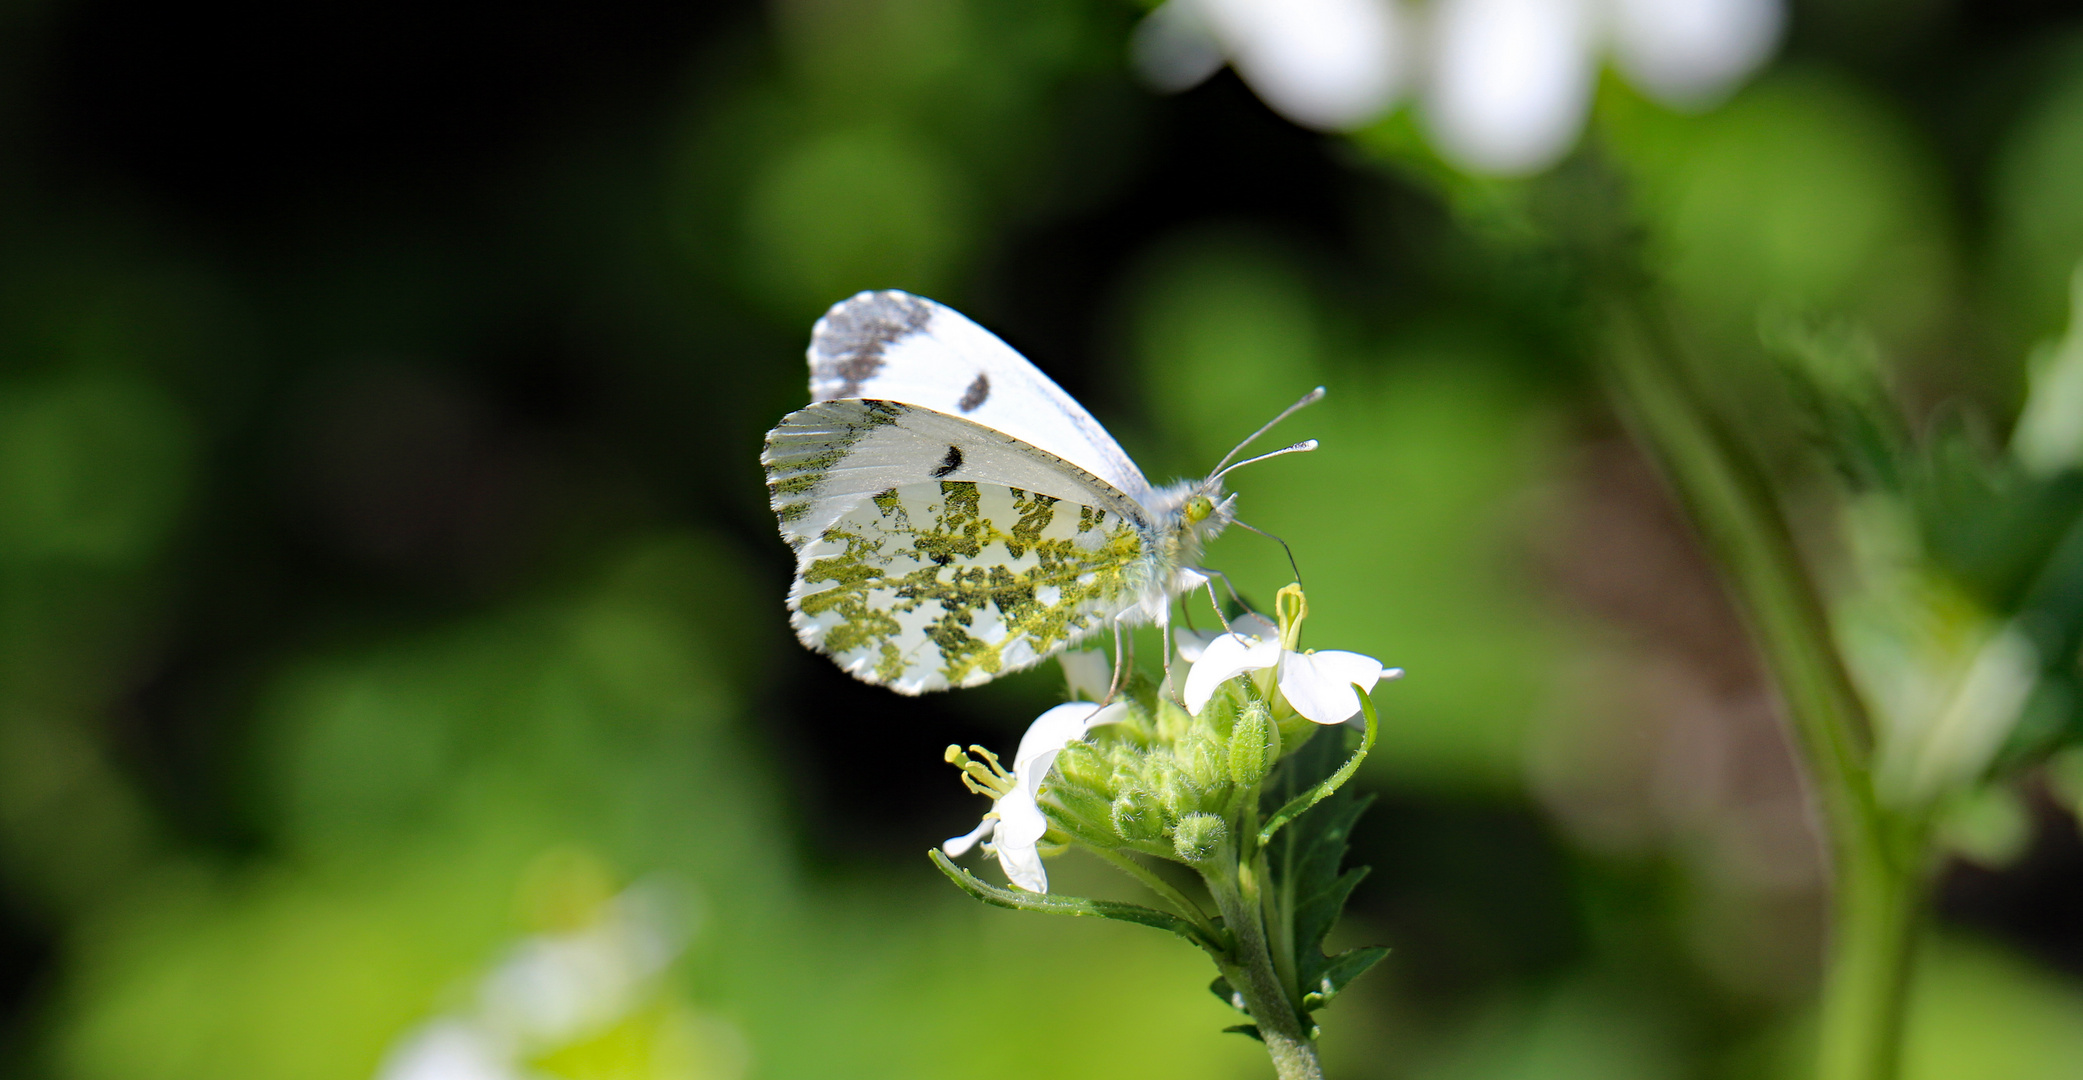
1318,684
1506,83
1015,824
1326,64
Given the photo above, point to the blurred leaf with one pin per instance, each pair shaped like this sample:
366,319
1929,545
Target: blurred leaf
1804,192
93,468
2038,206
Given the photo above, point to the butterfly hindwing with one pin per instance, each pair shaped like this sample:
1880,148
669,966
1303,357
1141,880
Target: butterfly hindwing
893,346
926,586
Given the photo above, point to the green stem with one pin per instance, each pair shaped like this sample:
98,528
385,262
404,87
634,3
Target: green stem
1866,999
1165,889
1877,872
1252,974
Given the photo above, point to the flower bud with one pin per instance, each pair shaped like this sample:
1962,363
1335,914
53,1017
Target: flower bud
1197,836
1137,816
1254,745
1081,812
1202,759
1082,765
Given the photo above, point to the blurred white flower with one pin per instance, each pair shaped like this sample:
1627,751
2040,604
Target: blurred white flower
1318,684
1510,81
1015,823
1688,53
549,990
1326,64
1506,84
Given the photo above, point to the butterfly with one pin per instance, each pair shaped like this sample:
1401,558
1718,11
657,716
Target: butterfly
956,515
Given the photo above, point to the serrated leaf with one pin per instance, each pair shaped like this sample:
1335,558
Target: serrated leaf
1304,863
1340,972
1056,904
1315,915
1247,1029
1221,988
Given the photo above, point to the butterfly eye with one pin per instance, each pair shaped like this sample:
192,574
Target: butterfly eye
1198,508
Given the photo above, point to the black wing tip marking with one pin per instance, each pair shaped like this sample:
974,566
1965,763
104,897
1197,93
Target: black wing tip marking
950,463
846,346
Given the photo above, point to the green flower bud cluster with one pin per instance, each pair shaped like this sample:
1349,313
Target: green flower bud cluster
1162,782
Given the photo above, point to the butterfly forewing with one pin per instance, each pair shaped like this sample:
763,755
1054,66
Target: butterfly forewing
925,586
824,459
893,346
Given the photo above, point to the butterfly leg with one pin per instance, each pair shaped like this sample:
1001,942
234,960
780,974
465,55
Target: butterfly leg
1120,664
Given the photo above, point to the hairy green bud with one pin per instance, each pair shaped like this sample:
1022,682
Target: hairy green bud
1202,761
1254,745
1198,836
1082,765
1137,816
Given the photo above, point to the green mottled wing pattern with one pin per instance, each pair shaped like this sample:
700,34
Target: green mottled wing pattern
931,585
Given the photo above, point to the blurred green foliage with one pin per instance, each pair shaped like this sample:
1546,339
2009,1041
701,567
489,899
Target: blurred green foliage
375,535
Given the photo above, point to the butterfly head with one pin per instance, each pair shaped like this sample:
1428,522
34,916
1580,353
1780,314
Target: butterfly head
1196,511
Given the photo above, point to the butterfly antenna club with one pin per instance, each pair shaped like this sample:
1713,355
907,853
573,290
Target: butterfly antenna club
1309,398
1302,447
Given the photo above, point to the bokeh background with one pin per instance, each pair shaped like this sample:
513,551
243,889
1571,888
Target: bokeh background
394,679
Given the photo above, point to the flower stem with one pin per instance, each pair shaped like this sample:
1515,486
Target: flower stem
1252,974
1872,955
1179,901
1875,856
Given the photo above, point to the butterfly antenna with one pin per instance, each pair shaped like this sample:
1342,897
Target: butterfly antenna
1283,546
1302,447
1309,398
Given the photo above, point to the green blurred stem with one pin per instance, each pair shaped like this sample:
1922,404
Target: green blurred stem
1251,973
1872,951
1875,858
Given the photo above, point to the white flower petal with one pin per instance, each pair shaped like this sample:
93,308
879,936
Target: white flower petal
1326,64
1193,642
1688,53
1087,673
1224,659
1020,821
1255,625
1511,81
959,846
1319,685
1054,730
1023,867
1173,49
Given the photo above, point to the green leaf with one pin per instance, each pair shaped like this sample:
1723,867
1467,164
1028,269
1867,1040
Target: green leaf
1247,1029
1221,988
1309,889
1296,806
1020,900
1342,970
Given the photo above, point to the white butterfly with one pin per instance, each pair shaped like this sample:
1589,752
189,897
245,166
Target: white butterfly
956,515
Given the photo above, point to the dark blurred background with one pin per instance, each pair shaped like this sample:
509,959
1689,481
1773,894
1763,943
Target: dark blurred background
388,598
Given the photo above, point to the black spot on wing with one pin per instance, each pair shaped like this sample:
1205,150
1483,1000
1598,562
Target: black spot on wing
975,395
847,344
950,463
